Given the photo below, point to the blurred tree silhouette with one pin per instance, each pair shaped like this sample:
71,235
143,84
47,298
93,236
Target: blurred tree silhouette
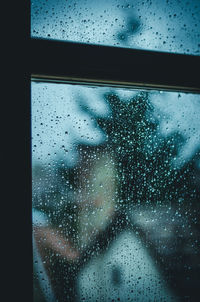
145,175
145,159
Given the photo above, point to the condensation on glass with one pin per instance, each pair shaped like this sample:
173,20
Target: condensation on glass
116,191
171,25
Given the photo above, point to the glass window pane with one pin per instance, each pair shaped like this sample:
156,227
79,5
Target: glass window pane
171,25
116,190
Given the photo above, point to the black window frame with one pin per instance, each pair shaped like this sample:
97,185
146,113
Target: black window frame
79,63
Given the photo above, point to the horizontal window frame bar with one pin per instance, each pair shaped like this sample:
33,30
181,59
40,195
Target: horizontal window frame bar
110,84
88,64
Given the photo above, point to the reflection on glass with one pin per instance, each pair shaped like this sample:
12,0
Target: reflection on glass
171,25
116,178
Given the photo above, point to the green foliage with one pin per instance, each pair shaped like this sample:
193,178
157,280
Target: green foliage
145,160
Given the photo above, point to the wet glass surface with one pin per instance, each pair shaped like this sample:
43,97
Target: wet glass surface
116,191
170,26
